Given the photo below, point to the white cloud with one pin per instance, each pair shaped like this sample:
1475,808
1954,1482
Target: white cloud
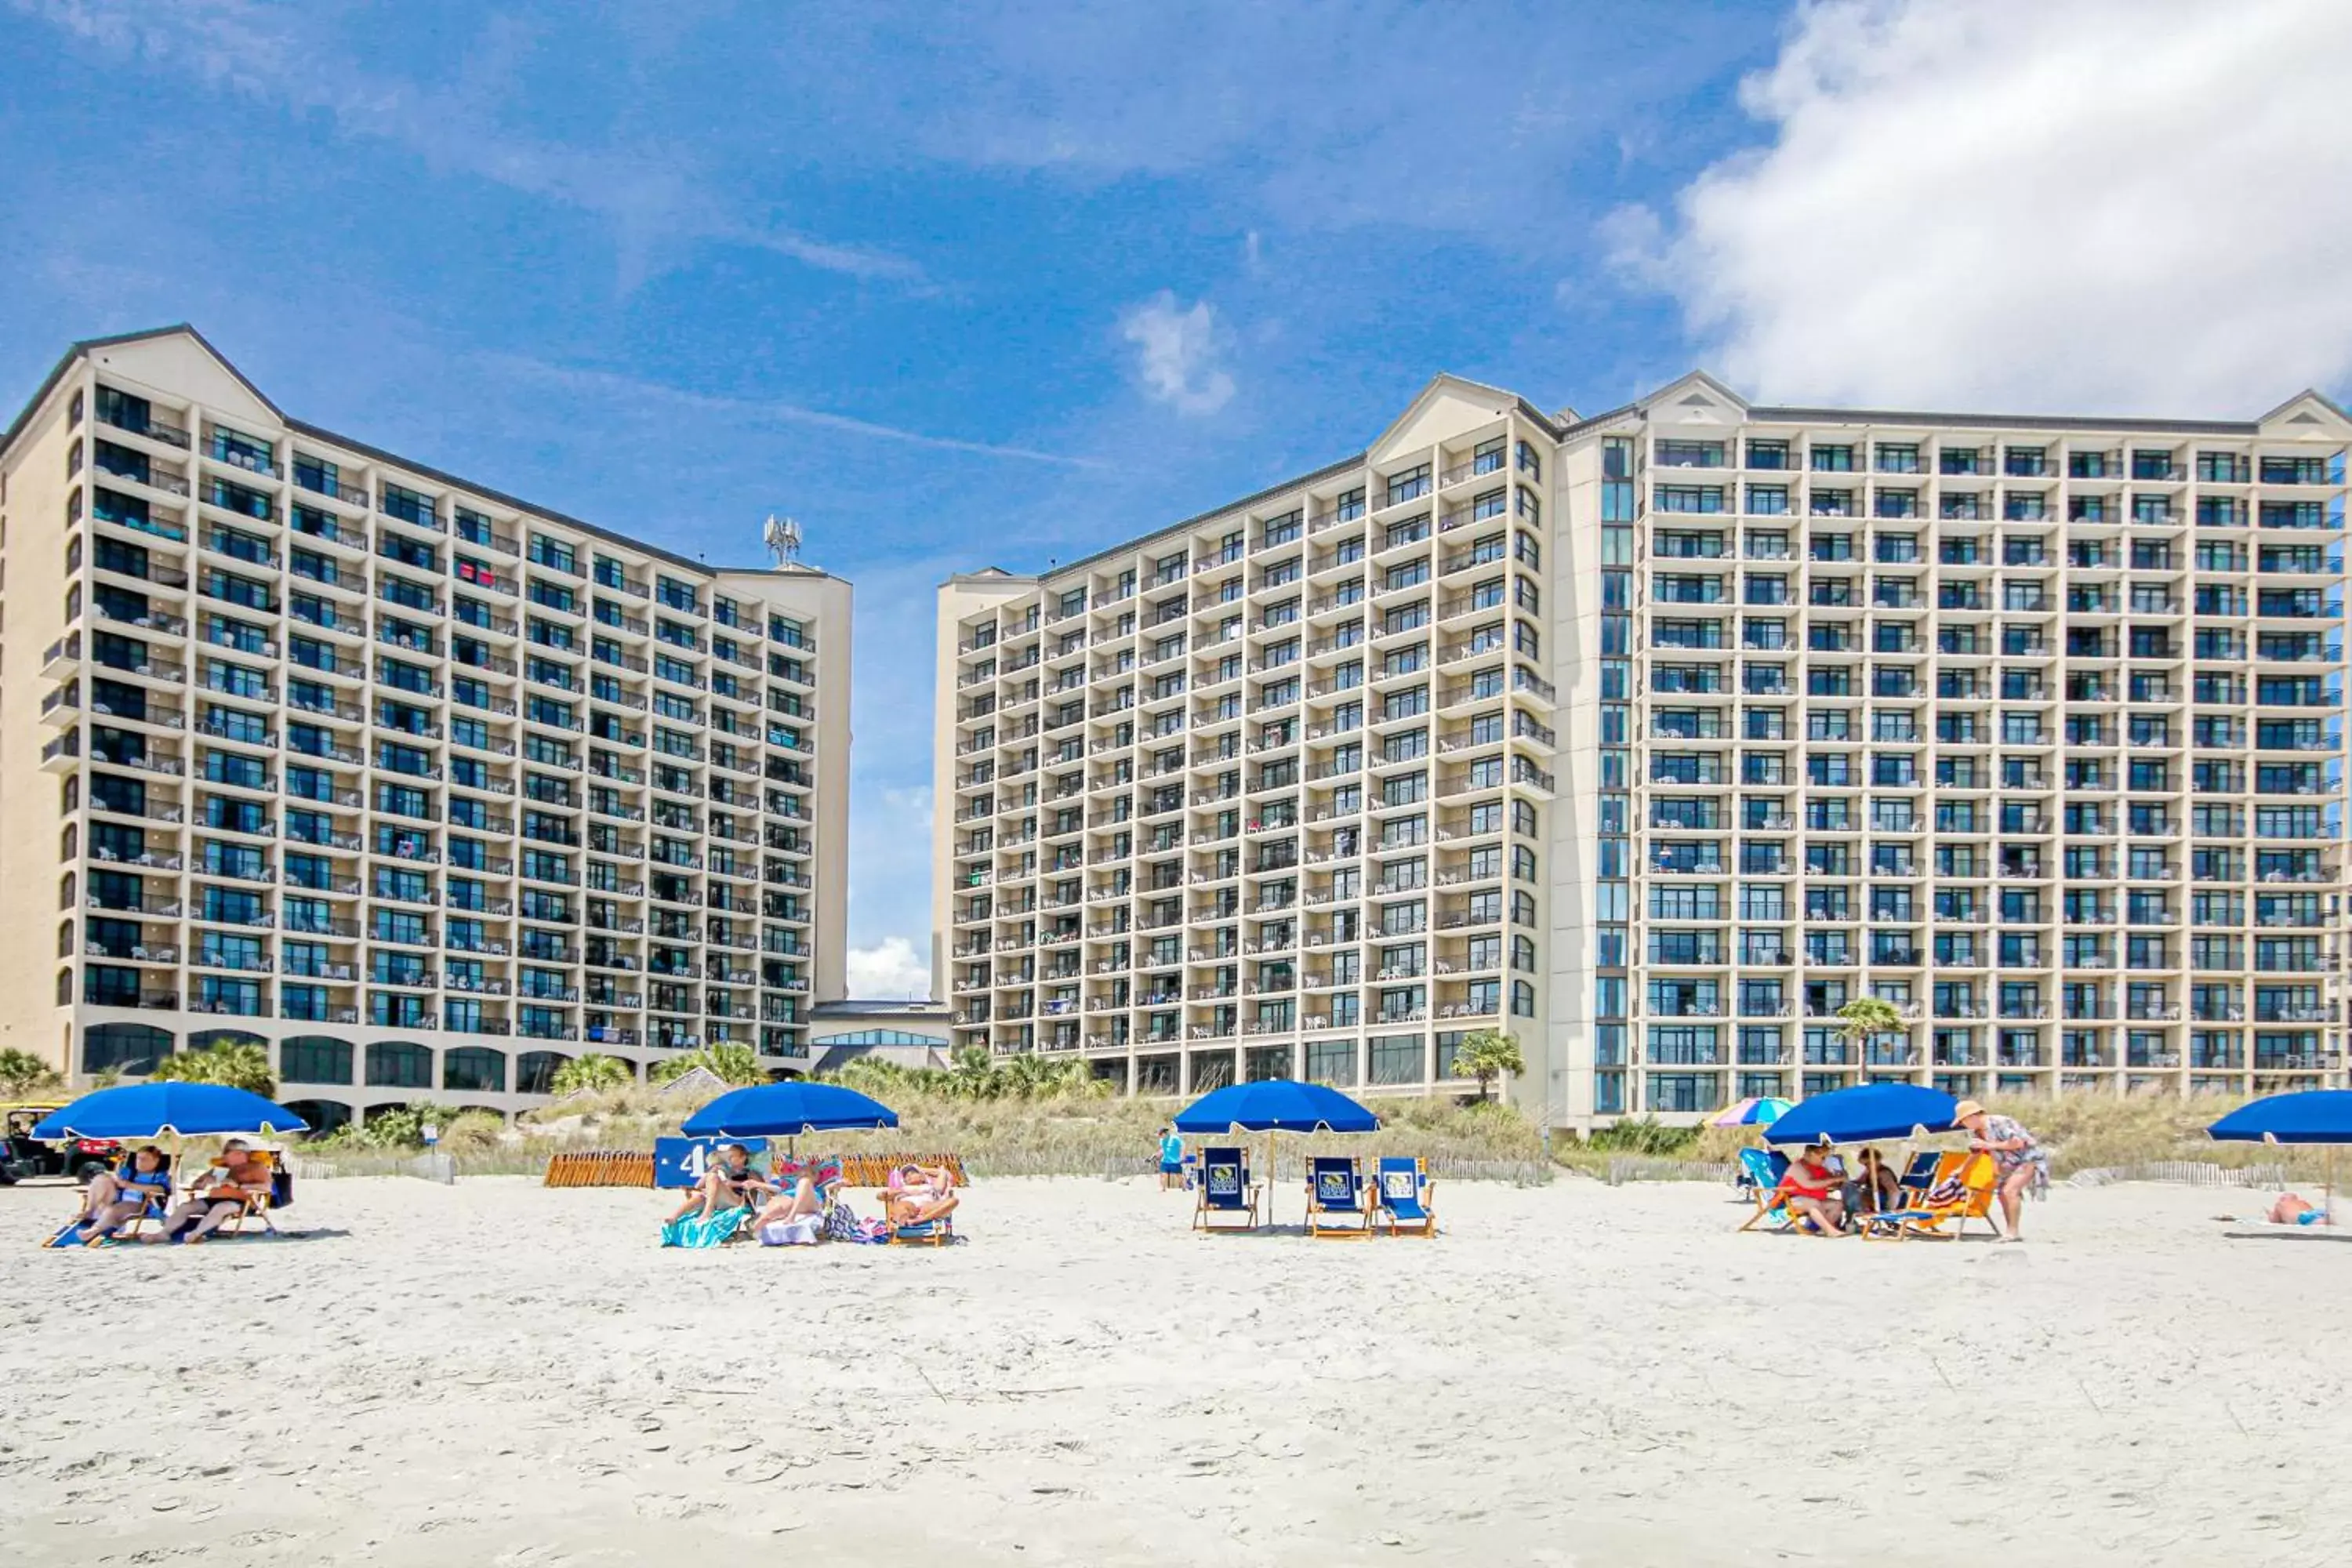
889,971
2118,205
1177,352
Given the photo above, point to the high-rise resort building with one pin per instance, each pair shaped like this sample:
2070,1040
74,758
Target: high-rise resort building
1657,738
423,787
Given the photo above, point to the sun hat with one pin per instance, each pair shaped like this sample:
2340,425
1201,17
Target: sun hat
1965,1110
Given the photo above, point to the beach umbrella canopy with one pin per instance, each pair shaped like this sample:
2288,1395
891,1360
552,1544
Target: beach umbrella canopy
1754,1112
168,1110
788,1109
1275,1105
1864,1114
2312,1116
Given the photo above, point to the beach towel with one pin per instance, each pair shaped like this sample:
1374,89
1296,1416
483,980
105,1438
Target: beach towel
695,1231
841,1223
805,1231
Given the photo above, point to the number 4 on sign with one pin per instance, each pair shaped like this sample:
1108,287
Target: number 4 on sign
697,1162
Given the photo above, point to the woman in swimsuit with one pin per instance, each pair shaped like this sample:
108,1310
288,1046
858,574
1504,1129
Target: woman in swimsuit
114,1199
728,1184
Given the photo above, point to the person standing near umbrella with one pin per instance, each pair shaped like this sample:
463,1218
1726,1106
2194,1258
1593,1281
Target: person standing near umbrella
2023,1164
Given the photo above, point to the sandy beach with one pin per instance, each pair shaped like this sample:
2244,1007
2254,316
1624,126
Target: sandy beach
497,1373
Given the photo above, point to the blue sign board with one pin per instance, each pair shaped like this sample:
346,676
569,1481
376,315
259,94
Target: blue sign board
681,1162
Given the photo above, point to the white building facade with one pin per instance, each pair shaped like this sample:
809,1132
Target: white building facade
1656,738
423,788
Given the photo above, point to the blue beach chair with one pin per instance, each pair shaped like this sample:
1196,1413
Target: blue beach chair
1407,1196
158,1192
1226,1192
1336,1200
1760,1170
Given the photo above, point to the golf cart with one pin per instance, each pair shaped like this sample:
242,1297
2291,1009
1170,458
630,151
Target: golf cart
21,1156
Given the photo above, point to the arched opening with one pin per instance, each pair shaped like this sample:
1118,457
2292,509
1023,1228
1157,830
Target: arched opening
323,1115
315,1058
535,1071
124,1047
205,1040
398,1064
474,1069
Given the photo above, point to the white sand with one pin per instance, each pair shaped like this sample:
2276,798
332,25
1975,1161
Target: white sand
498,1375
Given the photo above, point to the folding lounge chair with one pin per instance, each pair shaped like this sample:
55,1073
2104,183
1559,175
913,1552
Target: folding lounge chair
1911,1190
1407,1196
1226,1191
257,1205
940,1232
1336,1200
159,1204
1762,1169
1962,1190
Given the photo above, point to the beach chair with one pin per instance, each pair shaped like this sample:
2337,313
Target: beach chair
1407,1196
1337,1204
1226,1192
159,1204
1911,1190
940,1232
1762,1170
257,1205
1961,1189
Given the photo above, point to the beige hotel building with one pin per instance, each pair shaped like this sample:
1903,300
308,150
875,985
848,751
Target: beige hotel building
1656,737
423,787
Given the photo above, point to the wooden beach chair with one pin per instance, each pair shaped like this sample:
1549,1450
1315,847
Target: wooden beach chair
1337,1204
940,1232
1407,1196
1226,1192
257,1205
1911,1190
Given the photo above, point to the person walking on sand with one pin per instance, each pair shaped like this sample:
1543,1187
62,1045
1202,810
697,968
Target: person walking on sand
2023,1164
1171,1159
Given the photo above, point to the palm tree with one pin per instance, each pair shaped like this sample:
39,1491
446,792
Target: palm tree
973,1076
24,1075
1866,1017
1485,1055
595,1072
239,1064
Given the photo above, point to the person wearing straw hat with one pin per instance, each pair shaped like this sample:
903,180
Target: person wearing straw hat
2023,1164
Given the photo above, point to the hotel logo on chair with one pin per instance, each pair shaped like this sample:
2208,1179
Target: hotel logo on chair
1226,1181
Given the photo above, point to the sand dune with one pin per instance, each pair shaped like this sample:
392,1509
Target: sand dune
498,1375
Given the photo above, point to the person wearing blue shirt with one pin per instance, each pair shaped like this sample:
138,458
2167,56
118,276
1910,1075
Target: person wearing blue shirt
1171,1159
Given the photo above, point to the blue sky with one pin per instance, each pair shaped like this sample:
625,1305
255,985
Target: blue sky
994,284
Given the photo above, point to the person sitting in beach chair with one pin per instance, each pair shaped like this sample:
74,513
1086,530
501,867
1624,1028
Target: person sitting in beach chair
1813,1191
1336,1200
225,1193
795,1215
1407,1196
719,1203
1877,1188
1962,1189
918,1202
139,1189
1908,1201
1226,1191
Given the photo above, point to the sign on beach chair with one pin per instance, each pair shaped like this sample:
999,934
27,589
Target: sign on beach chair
684,1161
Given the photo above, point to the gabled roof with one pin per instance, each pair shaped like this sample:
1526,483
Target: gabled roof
90,345
87,346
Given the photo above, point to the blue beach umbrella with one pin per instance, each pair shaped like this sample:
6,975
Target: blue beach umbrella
2310,1116
168,1110
788,1109
1274,1105
1864,1114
